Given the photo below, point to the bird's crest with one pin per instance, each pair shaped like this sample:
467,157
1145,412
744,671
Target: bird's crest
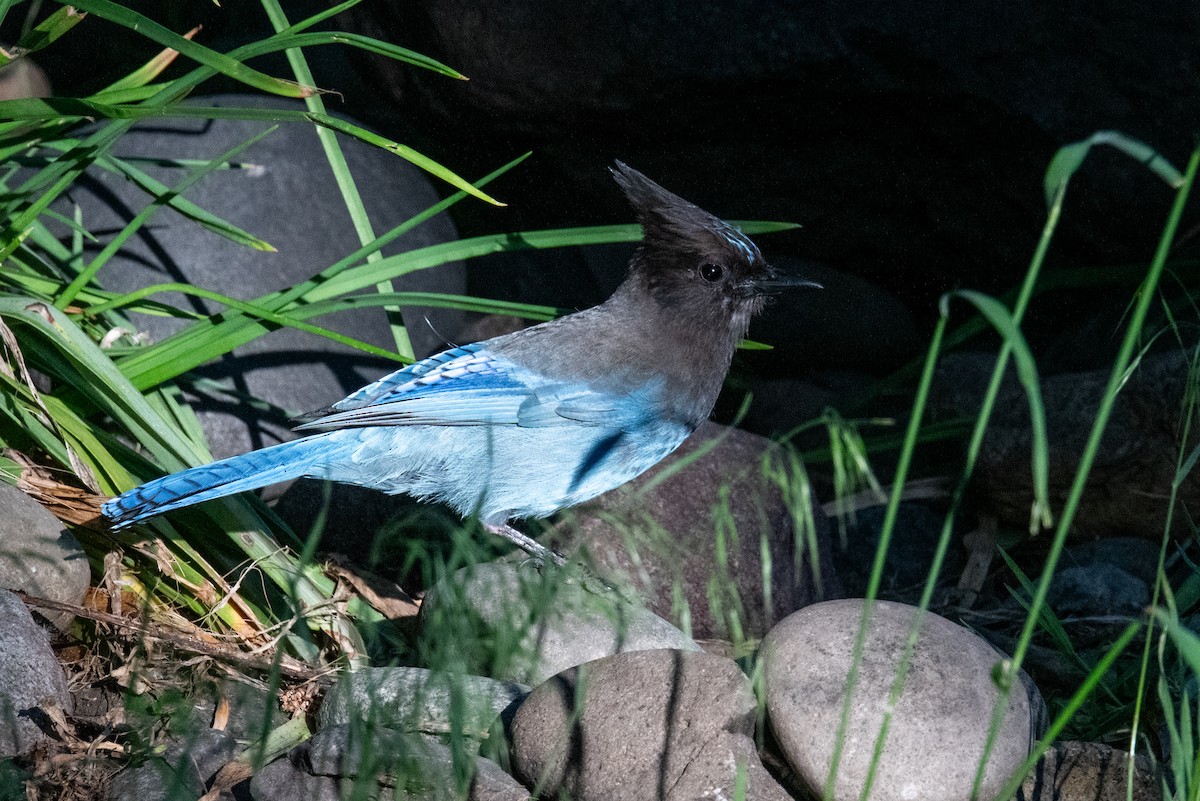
672,223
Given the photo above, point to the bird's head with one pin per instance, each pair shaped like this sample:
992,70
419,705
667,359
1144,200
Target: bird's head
694,263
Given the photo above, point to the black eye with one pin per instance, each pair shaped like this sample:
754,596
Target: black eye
711,272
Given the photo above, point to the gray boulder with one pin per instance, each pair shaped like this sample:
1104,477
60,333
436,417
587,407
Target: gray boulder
410,698
894,133
30,677
39,556
390,765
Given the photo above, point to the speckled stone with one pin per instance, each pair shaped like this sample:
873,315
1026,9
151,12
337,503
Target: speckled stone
940,721
643,726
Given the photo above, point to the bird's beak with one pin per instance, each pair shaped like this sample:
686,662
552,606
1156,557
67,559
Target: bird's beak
774,282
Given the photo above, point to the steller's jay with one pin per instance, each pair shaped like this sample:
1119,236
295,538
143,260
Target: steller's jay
528,423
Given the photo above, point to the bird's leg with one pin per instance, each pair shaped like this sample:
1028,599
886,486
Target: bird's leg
526,543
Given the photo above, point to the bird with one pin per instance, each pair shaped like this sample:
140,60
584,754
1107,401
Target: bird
526,424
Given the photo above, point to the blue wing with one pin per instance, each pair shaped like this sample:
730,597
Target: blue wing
473,386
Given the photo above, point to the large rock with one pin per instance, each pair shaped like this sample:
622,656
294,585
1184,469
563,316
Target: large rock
697,526
651,725
30,677
518,624
39,556
1130,480
939,723
289,199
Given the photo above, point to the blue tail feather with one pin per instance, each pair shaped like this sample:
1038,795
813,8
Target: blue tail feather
249,471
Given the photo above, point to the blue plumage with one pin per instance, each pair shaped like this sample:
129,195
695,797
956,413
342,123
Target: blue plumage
532,422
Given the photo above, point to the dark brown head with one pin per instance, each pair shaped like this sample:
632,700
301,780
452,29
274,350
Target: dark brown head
692,263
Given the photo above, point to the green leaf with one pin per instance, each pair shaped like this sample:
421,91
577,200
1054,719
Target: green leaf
1070,158
186,207
56,108
139,78
45,33
114,245
210,58
1000,319
1187,643
376,46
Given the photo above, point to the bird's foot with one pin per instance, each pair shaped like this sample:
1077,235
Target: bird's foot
528,544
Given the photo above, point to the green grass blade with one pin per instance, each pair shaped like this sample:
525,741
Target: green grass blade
143,75
53,109
249,309
403,151
1006,325
220,62
342,177
85,276
876,578
1071,157
370,45
43,34
207,339
1093,680
187,208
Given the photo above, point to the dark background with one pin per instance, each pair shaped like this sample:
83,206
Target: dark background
909,140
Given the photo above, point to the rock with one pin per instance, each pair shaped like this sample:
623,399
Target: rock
252,709
1097,589
30,676
518,624
283,780
154,780
288,199
418,699
39,556
940,721
1131,477
662,725
1078,771
23,78
1104,578
399,765
1137,557
199,755
699,532
780,406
